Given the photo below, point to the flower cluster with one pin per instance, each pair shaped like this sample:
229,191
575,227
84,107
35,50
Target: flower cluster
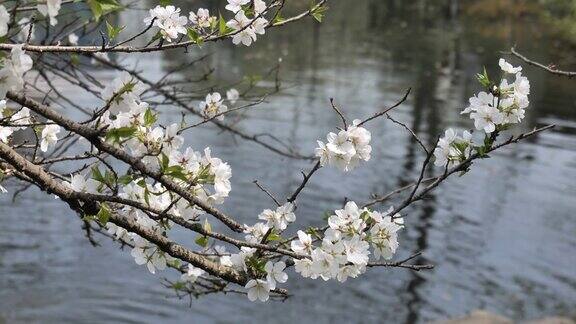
504,105
12,79
279,218
168,20
131,124
453,148
243,29
499,108
22,117
50,8
4,21
345,248
345,149
13,69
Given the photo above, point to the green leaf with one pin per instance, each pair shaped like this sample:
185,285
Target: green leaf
125,179
165,3
483,78
164,162
178,285
176,171
278,18
97,175
194,36
274,237
318,13
222,28
96,9
117,134
101,7
113,31
74,59
103,214
149,118
202,241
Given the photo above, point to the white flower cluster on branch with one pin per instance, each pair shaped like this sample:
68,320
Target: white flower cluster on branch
164,184
244,27
494,111
346,148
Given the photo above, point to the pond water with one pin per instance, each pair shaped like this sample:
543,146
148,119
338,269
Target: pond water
502,237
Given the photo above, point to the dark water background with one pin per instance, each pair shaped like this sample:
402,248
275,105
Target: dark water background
502,237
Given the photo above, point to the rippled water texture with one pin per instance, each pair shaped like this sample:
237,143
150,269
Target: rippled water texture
502,237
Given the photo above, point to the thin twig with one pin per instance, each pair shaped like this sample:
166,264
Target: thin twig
549,68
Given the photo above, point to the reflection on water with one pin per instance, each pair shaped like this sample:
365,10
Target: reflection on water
502,237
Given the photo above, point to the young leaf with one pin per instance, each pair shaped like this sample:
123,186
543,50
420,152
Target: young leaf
103,214
113,31
222,28
202,241
194,36
318,13
149,118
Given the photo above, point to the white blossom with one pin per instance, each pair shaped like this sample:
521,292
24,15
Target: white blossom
357,251
259,6
256,232
238,260
304,268
232,95
49,137
384,238
453,148
192,273
169,20
280,218
275,273
258,290
213,106
324,264
202,18
79,183
73,39
303,244
508,68
21,118
4,20
486,118
236,5
149,254
12,73
346,148
347,271
259,25
482,99
244,33
50,8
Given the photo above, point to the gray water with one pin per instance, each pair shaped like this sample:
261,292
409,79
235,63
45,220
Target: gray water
502,237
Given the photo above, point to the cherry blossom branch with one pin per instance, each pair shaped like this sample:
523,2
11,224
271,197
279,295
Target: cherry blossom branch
413,197
74,199
92,135
147,49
